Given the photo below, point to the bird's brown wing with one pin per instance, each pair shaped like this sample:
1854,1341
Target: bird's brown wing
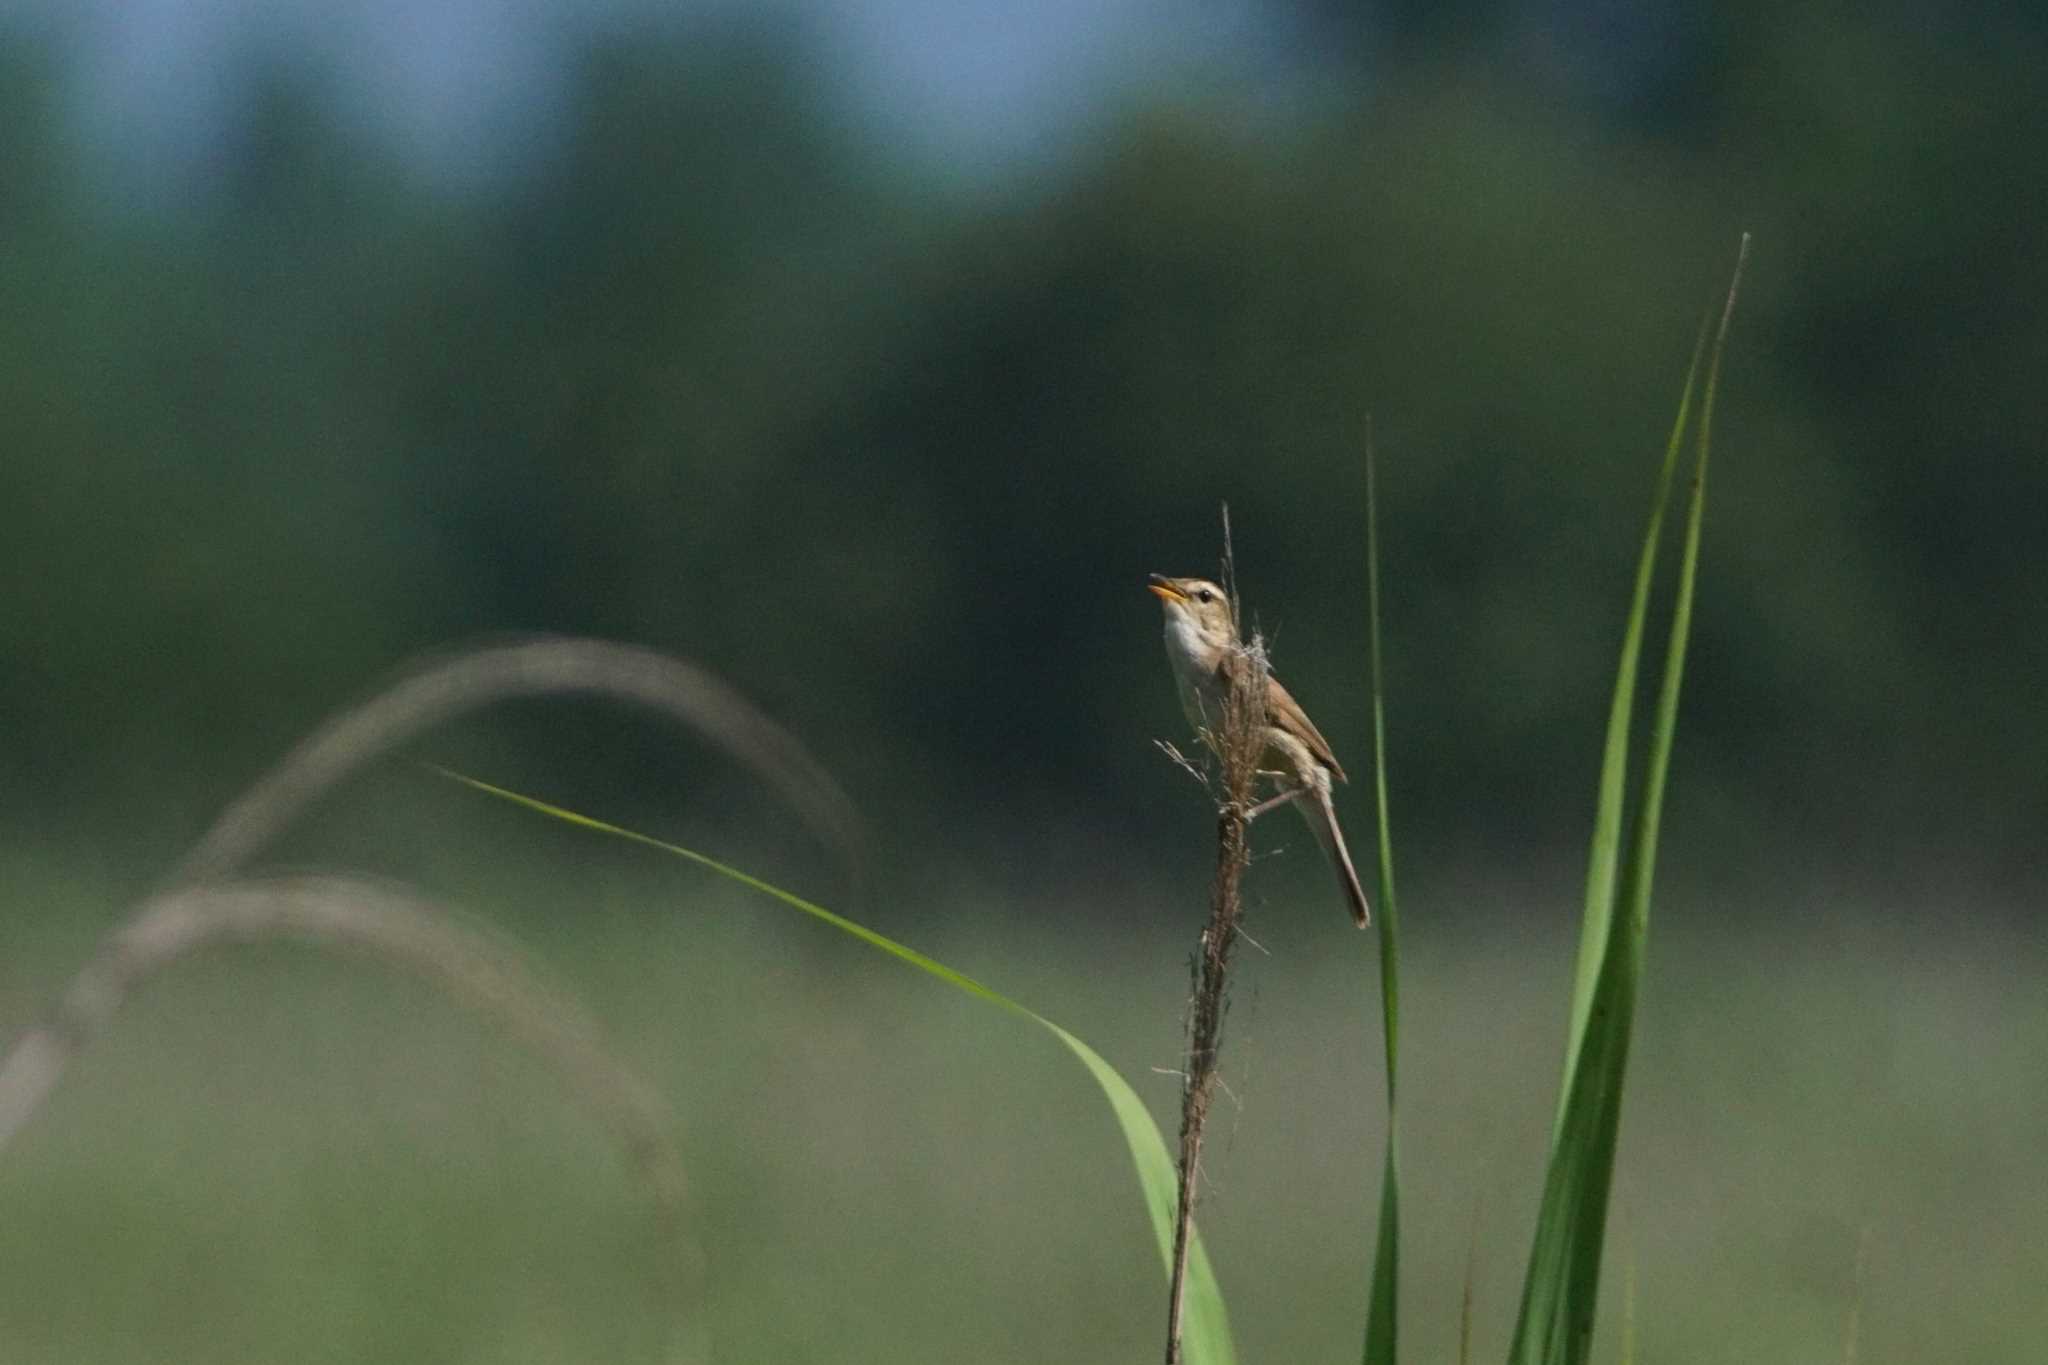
1285,712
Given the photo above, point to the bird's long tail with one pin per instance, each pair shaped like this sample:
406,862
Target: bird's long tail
1316,808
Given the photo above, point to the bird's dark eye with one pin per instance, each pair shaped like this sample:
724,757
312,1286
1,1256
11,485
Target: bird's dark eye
1205,596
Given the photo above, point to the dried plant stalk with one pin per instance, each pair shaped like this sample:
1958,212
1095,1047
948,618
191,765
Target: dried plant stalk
1239,741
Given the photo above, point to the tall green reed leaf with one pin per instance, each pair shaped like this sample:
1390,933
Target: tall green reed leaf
1555,1322
1604,860
1383,1313
1206,1339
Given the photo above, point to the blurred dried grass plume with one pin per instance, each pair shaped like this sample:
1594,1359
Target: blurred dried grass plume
208,901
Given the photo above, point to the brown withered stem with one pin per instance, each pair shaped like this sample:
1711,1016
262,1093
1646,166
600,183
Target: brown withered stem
1237,743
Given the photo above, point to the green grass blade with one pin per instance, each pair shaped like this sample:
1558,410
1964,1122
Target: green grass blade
1643,864
1603,859
1555,1323
1206,1338
1382,1318
1383,1313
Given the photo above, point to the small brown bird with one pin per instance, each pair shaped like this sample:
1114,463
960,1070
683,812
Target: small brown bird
1202,645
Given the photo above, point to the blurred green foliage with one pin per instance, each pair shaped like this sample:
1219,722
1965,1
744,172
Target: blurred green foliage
709,372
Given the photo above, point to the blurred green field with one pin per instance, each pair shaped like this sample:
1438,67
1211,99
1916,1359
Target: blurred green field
278,1156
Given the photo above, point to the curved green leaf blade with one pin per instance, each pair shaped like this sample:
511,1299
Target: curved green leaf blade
1206,1338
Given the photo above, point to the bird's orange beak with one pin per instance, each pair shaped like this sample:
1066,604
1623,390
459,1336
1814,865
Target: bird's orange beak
1163,588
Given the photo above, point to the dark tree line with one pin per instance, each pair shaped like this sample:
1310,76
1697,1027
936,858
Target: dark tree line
707,372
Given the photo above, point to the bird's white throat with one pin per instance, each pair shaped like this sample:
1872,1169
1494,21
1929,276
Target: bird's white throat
1194,668
1190,654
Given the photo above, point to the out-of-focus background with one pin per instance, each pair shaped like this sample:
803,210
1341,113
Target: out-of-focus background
870,354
